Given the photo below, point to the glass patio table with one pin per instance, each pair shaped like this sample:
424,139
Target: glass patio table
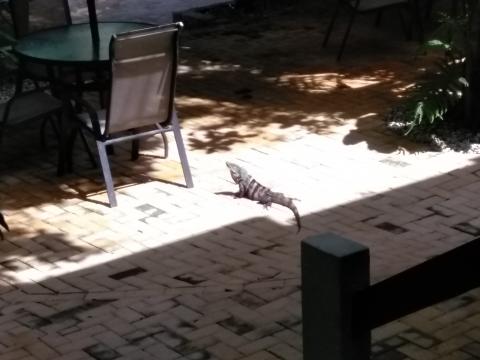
72,45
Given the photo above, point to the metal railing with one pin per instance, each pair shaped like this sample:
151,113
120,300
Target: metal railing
340,307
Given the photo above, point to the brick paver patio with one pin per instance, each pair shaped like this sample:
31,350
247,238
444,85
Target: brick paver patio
176,273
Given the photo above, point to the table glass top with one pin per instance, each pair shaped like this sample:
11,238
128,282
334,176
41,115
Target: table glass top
72,44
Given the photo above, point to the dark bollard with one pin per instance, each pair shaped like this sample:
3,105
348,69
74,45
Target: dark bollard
334,271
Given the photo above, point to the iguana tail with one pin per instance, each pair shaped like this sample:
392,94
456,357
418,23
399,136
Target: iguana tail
279,198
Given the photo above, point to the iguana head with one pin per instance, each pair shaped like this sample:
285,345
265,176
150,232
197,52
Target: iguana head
238,173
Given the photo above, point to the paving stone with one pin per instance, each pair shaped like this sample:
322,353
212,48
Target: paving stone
390,355
181,273
101,352
235,325
419,338
472,349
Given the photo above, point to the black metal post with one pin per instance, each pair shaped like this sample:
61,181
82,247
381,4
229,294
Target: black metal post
334,271
92,16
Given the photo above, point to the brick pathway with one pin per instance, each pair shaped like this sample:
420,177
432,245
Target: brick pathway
176,273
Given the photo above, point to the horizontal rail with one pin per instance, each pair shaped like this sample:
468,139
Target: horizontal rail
440,278
340,307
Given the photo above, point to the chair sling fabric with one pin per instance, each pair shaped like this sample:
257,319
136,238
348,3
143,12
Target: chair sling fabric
144,67
29,16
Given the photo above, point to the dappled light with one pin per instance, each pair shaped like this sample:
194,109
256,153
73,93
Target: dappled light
324,83
261,106
257,90
237,88
198,273
47,246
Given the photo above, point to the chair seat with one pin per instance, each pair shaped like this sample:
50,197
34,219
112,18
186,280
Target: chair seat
29,106
368,5
84,118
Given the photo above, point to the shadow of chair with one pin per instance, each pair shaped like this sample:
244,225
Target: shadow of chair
141,104
363,6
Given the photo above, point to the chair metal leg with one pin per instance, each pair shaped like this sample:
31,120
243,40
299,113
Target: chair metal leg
19,80
110,149
107,175
70,145
43,133
87,147
403,23
417,18
181,151
135,149
347,33
165,145
331,24
428,9
62,145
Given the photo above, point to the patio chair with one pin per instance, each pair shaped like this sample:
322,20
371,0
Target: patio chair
30,16
141,104
23,14
29,106
361,6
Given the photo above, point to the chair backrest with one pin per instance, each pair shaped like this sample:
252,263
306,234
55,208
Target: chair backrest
29,16
144,68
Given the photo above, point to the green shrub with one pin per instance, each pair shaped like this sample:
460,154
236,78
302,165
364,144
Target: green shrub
443,87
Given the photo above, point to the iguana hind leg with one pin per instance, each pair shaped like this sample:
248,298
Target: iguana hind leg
266,202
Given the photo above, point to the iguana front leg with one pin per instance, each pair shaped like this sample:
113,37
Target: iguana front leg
242,189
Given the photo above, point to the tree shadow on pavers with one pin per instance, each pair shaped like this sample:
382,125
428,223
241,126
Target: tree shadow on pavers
230,286
233,87
32,246
377,137
231,274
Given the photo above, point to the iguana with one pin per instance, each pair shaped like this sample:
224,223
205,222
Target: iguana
251,189
4,224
